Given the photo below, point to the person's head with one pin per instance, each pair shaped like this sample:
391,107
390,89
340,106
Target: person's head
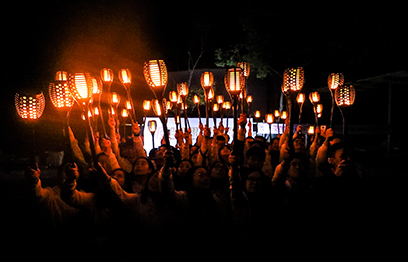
275,144
104,160
105,144
256,157
248,141
298,168
120,176
183,168
337,153
127,150
220,140
299,144
201,179
143,166
218,170
158,159
223,153
254,181
193,157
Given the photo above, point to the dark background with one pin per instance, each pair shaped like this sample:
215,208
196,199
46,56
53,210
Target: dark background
359,40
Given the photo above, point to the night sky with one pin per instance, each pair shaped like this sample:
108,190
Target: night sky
85,36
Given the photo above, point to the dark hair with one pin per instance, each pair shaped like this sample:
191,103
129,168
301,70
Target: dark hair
258,152
219,153
333,148
149,162
144,193
128,185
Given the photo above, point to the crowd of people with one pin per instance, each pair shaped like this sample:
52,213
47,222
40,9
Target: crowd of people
206,199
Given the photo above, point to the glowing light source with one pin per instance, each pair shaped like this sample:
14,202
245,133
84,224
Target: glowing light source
314,97
345,95
207,80
182,89
257,114
146,105
30,107
125,76
107,75
335,80
125,113
234,81
300,98
115,98
155,73
269,118
81,87
284,115
60,96
196,99
293,79
156,107
152,125
61,76
245,68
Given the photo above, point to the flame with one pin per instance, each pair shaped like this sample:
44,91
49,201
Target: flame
310,131
249,99
155,73
129,105
227,105
173,96
257,114
269,118
61,76
220,99
300,98
152,125
125,76
210,94
107,75
81,85
284,115
29,107
146,105
196,99
115,98
125,113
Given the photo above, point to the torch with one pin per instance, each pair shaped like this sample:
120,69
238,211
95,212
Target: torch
182,89
245,72
344,96
227,107
125,78
293,81
30,109
152,124
207,80
107,79
235,82
81,88
155,73
314,98
63,101
257,117
334,81
300,99
196,100
269,120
